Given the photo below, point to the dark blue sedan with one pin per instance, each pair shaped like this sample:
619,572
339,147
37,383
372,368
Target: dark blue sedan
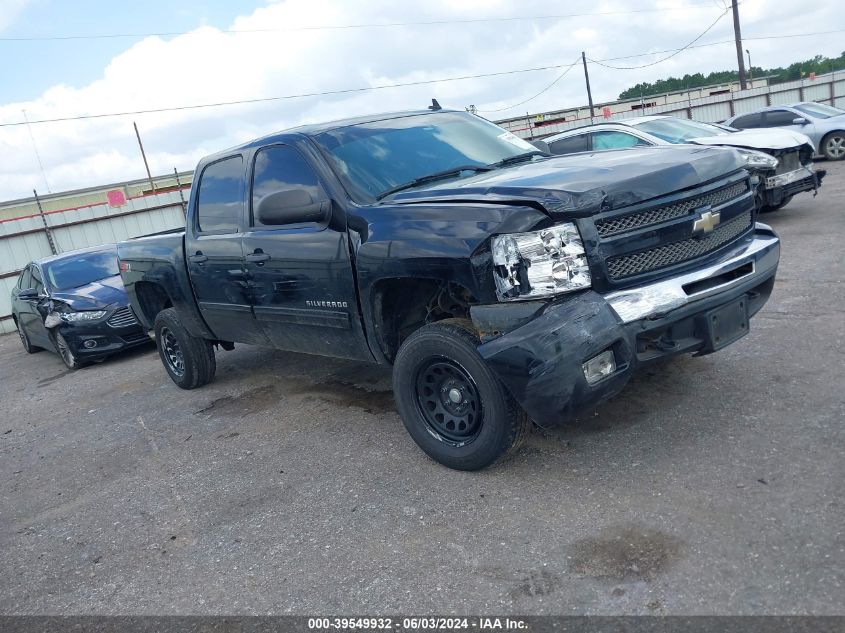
75,304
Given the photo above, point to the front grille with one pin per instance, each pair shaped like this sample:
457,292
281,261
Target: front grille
122,317
788,162
677,252
656,215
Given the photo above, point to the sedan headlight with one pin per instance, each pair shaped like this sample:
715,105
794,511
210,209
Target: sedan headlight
540,263
757,160
85,315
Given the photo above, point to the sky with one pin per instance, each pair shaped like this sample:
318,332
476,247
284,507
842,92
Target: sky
60,59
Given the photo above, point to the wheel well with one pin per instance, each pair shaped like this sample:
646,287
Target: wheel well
152,299
402,306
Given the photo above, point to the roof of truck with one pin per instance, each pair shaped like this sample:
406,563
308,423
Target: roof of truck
312,129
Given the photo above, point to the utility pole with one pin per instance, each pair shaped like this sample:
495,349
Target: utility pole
738,37
144,156
750,68
589,92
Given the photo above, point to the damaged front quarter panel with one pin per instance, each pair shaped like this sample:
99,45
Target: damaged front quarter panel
540,361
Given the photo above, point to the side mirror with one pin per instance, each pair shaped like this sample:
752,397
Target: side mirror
800,121
29,294
292,206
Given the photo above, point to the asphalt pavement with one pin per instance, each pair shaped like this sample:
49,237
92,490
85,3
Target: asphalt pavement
711,485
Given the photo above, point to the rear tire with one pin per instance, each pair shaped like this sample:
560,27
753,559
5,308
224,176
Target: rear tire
833,145
451,403
188,360
28,347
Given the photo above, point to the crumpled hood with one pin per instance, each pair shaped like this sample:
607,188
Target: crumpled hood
583,184
95,296
768,138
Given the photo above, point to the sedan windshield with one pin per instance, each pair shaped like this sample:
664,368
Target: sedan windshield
679,130
819,110
74,272
376,157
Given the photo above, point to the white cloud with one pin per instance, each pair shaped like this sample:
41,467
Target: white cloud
209,65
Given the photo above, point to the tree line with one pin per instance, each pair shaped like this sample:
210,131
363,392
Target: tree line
818,64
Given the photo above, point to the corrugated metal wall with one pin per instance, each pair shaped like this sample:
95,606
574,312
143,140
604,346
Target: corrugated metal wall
24,239
828,88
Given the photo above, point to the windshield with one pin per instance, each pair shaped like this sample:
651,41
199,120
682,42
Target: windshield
373,158
679,130
819,110
74,272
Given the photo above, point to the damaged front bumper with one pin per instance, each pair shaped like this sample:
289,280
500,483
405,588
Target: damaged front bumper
774,190
94,340
540,356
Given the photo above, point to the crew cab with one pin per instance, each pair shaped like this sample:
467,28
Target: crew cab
501,284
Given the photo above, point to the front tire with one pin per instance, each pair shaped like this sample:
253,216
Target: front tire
188,360
775,207
65,352
449,400
833,146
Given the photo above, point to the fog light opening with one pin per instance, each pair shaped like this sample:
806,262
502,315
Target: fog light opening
89,344
599,367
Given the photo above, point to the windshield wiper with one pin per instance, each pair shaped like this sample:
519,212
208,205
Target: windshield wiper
519,158
439,175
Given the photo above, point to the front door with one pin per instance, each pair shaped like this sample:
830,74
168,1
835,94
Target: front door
303,290
214,253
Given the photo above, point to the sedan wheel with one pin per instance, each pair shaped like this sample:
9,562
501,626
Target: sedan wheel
833,146
66,353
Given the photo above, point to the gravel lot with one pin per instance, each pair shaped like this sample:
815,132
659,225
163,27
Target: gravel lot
710,486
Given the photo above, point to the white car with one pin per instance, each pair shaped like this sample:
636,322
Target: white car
780,161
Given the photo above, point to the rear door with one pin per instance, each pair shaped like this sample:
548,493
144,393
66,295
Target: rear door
214,252
303,290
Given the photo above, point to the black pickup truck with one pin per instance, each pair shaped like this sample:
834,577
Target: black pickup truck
502,284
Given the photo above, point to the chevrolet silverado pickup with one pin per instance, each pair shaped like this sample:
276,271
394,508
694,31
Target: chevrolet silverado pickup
502,285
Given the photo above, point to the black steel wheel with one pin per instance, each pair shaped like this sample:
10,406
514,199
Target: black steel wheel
188,360
451,403
172,353
448,401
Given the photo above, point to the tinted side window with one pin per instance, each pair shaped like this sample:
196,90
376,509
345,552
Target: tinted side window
37,282
220,196
748,121
777,118
615,140
26,279
570,144
281,167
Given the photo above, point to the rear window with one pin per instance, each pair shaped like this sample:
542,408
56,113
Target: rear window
570,145
748,121
220,197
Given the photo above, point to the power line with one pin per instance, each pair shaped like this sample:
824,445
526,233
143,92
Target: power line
397,85
281,98
659,61
719,43
349,26
557,79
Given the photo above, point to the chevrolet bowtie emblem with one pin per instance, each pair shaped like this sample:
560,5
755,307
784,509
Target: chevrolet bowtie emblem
708,221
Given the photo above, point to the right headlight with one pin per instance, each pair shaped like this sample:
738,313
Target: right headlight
539,263
757,160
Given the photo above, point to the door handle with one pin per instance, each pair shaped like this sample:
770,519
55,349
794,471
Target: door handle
199,258
258,257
